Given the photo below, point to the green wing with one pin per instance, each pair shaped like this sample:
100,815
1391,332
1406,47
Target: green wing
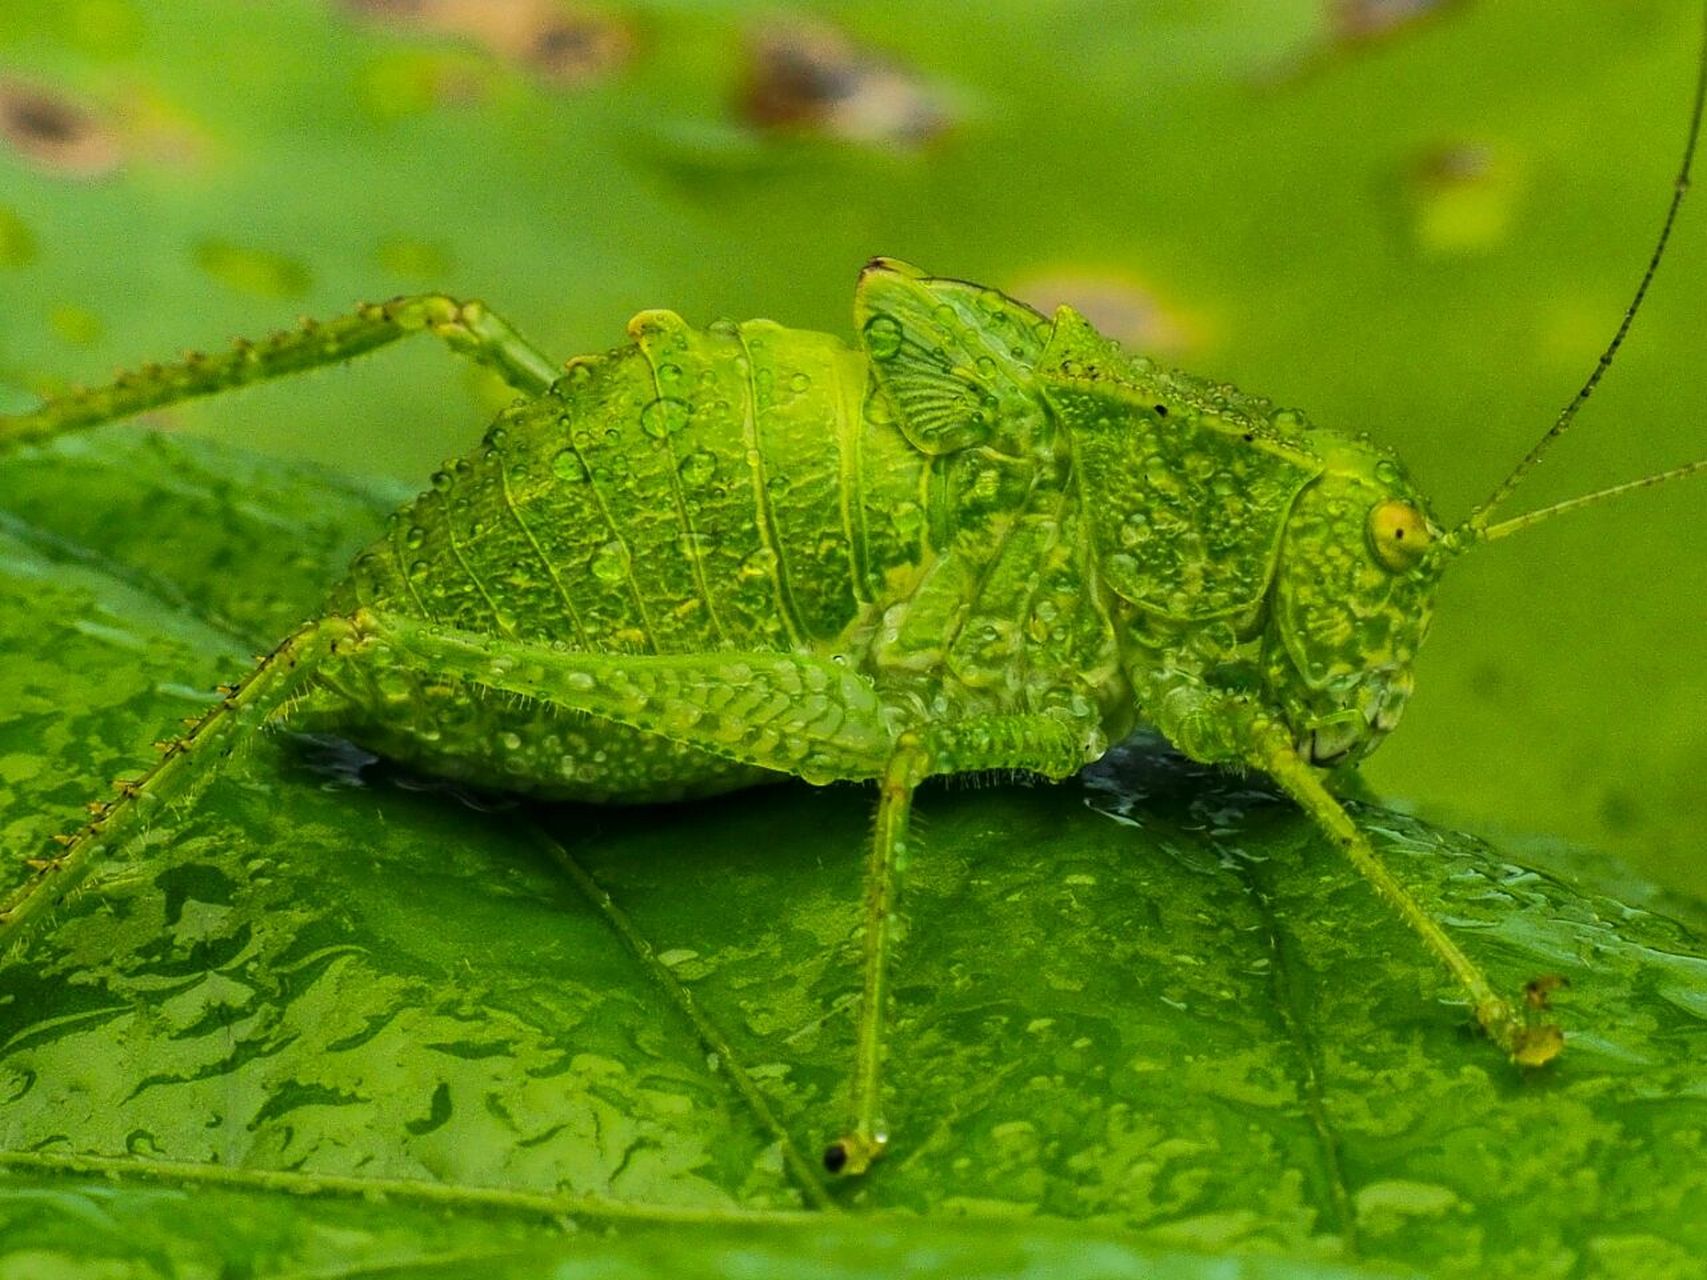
956,358
1188,485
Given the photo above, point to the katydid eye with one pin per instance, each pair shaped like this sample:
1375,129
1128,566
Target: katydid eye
1398,534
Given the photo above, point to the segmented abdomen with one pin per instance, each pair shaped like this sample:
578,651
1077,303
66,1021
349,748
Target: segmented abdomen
719,488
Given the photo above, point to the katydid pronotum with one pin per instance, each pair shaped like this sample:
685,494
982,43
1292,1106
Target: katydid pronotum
980,539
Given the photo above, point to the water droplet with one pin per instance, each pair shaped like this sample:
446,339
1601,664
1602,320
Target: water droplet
759,564
567,465
669,373
698,467
610,562
799,382
442,481
664,416
909,520
883,337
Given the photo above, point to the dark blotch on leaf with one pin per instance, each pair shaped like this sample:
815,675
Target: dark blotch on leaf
563,43
813,79
54,133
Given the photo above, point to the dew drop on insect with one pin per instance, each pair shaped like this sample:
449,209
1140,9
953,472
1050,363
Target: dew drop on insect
496,437
664,416
698,468
909,520
610,562
1386,472
1160,475
1135,530
883,337
799,382
510,741
669,373
567,465
442,481
759,564
415,537
986,367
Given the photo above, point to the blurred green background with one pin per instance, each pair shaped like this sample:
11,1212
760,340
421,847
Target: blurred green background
1422,220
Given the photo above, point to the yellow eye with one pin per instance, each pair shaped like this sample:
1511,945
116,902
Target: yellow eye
1398,534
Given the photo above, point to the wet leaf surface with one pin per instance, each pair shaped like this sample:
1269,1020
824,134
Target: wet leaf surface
335,1019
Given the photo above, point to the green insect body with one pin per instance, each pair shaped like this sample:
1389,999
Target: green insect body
981,539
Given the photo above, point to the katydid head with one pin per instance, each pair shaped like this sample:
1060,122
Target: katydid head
1351,602
1353,596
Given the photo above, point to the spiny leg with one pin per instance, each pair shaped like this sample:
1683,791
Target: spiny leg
1037,744
1529,1041
468,327
185,765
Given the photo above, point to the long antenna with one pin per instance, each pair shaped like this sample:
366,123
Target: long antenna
1477,520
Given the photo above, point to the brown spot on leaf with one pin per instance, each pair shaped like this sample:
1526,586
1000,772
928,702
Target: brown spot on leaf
1117,305
1356,21
813,79
55,133
1462,198
566,44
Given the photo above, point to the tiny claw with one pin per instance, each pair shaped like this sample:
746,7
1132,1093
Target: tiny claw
853,1154
1537,1045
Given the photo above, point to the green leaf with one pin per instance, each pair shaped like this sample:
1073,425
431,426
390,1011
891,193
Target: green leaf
335,1019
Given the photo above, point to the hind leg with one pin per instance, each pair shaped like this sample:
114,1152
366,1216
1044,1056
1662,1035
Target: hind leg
466,327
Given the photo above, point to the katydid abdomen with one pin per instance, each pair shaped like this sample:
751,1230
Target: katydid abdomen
740,488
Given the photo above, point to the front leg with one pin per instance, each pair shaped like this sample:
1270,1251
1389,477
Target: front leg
1038,744
1527,1039
1224,728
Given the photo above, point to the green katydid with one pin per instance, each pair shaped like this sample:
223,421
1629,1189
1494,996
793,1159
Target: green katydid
980,539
